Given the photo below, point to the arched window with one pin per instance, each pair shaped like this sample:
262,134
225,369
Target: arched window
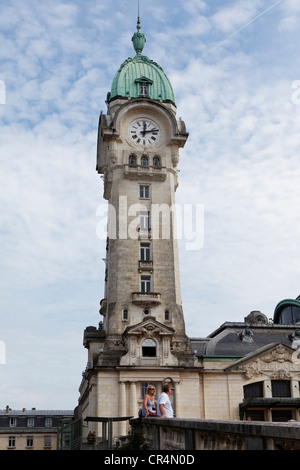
144,161
132,160
156,161
149,348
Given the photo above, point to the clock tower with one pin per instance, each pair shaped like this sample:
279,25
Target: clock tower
141,337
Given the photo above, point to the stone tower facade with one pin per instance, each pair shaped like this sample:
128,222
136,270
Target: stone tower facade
142,337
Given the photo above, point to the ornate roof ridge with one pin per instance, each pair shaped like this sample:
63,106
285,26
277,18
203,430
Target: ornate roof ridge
140,58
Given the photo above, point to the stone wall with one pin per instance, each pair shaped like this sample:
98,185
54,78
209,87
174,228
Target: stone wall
189,434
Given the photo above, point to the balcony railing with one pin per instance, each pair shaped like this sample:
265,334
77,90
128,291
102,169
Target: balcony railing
146,298
157,173
145,266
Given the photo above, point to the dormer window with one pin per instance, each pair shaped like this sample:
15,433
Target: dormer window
143,84
144,89
149,348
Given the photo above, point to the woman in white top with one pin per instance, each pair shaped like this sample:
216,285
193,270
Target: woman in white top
149,405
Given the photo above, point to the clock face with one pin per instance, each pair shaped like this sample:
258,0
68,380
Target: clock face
144,132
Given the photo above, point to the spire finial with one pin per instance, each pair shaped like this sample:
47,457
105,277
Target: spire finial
138,26
138,38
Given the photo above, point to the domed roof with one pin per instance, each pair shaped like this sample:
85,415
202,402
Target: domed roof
139,76
287,311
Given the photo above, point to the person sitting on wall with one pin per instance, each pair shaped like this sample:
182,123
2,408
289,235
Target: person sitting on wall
149,405
164,406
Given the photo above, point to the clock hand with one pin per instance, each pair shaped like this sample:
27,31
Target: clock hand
144,129
151,130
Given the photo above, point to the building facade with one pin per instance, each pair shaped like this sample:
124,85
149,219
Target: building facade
246,370
30,429
251,369
142,337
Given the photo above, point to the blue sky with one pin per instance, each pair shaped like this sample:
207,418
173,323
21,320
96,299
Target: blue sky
234,67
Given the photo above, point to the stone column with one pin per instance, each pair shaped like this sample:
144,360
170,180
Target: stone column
122,407
132,400
177,399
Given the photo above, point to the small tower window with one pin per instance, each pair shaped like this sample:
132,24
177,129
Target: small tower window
125,315
167,315
145,251
145,283
132,160
145,220
143,86
144,89
144,161
144,192
156,161
149,348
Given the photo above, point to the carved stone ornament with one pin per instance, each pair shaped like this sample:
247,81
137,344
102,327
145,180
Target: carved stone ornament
148,329
114,344
279,354
277,363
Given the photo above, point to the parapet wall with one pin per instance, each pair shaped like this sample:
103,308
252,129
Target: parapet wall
189,434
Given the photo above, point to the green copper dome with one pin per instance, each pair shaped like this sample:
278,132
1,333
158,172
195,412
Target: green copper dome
140,77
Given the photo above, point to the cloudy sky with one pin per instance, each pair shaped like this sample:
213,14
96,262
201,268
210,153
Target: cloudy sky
234,67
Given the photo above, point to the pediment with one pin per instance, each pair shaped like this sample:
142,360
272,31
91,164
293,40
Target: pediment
144,80
149,327
275,360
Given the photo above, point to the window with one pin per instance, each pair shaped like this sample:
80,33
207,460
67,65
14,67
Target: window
47,441
143,86
167,315
156,161
143,89
132,160
254,390
29,441
281,416
48,422
281,388
290,314
144,192
144,386
125,314
145,220
145,283
255,415
149,348
12,441
13,422
30,422
145,251
144,161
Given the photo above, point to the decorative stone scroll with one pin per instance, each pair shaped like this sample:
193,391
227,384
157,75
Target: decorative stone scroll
276,363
